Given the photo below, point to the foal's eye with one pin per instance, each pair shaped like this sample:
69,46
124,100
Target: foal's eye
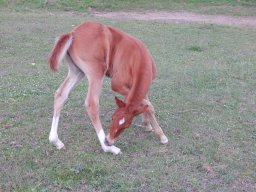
122,121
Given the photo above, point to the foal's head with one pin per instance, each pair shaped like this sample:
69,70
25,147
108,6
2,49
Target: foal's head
121,119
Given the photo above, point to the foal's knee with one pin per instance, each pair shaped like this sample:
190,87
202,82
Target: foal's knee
150,109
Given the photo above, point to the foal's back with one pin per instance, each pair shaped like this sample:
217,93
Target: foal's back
109,49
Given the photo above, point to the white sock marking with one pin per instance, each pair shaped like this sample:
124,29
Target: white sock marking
111,149
101,136
53,134
53,137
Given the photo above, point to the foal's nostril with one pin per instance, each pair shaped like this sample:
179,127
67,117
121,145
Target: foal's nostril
107,142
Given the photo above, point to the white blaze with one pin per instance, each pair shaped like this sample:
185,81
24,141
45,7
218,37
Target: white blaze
122,121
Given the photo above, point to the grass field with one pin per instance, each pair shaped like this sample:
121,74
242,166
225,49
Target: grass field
226,7
204,97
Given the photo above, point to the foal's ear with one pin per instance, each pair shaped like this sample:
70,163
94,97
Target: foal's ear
140,110
119,102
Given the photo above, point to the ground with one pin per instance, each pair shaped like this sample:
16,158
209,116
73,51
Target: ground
181,16
204,97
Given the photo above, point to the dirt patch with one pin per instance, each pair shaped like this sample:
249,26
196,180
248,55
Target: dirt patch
179,17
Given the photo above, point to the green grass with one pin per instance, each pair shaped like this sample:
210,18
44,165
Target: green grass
204,97
230,7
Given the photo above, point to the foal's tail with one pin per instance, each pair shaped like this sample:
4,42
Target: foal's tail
59,50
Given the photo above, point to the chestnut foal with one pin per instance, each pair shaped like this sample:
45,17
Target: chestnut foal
97,50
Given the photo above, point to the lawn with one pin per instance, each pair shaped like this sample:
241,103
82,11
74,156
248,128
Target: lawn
226,7
204,97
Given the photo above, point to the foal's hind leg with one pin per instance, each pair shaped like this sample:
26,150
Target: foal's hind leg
150,113
61,95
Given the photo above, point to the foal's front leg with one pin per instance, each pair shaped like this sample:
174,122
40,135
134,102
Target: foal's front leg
145,116
150,113
146,122
92,107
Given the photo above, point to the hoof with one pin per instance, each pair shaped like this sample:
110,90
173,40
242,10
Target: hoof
148,128
164,140
112,149
58,143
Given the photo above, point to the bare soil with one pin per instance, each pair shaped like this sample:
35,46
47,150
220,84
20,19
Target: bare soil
180,17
